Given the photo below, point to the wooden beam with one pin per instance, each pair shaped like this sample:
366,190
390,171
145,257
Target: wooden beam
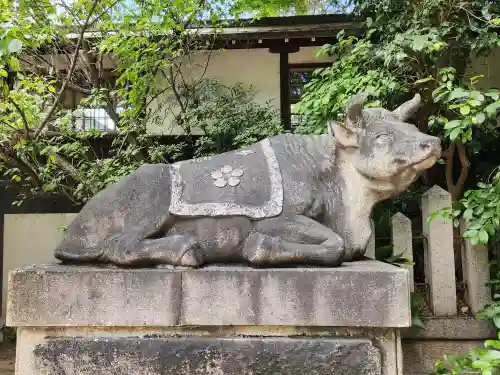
285,92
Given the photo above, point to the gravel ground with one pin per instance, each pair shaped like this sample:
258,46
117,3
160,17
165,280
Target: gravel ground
7,358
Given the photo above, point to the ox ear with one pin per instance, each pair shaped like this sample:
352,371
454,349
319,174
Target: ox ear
345,137
408,109
355,110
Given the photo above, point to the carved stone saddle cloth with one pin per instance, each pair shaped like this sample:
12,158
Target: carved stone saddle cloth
244,182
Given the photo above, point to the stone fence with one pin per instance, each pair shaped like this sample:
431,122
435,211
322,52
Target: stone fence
445,332
439,257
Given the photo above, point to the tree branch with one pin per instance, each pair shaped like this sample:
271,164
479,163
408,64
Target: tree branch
175,91
70,72
9,158
66,166
23,118
12,127
464,172
449,168
72,86
456,189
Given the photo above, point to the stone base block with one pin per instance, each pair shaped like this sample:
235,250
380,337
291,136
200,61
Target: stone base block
359,294
207,351
215,321
235,356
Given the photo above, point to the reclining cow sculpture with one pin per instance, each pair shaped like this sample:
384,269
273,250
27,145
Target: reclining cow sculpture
288,199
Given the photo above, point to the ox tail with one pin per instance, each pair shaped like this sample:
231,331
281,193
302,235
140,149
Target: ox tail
75,254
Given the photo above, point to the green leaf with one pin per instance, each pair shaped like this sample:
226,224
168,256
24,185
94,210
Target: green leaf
453,124
455,133
3,73
474,79
465,110
419,42
423,80
468,213
480,364
480,117
458,93
483,236
14,64
495,21
492,109
492,343
493,94
476,95
15,45
470,233
490,355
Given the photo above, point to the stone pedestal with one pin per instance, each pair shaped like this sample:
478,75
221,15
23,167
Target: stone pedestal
217,320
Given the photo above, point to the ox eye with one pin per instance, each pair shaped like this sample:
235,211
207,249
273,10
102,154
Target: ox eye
382,138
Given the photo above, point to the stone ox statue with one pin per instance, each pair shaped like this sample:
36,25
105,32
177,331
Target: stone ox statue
288,199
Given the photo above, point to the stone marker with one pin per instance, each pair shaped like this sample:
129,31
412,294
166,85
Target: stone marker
402,242
476,271
439,253
370,248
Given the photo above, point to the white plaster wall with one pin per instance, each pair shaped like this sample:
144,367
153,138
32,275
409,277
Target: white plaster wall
306,55
487,66
257,68
30,239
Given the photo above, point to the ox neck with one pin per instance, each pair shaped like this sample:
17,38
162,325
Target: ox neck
358,192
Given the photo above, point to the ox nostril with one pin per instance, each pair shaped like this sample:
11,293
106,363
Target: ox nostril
425,145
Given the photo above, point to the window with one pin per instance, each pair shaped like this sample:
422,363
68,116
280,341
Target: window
297,78
94,118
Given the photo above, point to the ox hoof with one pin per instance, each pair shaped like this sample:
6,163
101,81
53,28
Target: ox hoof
191,257
258,248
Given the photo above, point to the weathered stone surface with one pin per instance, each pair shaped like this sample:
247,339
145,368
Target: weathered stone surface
420,357
437,328
476,271
211,356
439,253
402,242
90,296
366,293
359,294
370,248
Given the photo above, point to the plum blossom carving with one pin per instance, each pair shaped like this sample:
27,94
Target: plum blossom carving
227,175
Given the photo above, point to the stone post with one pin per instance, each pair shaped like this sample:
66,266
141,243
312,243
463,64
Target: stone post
370,248
402,242
439,253
476,271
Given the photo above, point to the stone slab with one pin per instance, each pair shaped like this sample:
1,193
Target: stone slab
420,356
359,294
212,356
90,296
442,328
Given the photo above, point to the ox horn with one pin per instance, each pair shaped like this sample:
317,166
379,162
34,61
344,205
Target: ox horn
355,110
408,109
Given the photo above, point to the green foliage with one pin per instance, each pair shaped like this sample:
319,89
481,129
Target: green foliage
481,209
470,108
43,153
229,117
485,360
357,67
